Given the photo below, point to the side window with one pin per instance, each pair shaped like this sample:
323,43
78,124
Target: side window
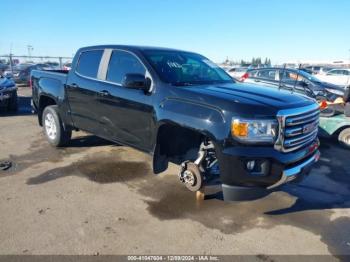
122,63
89,62
252,73
267,74
333,72
290,77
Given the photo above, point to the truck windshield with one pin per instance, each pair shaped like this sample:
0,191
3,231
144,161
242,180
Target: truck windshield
185,69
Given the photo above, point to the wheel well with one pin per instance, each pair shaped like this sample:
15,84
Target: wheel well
175,144
44,102
336,134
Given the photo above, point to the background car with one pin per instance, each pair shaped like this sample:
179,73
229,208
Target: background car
294,80
237,72
315,70
8,94
338,76
3,67
53,65
21,73
67,66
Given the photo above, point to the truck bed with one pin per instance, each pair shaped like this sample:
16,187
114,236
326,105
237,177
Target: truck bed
50,81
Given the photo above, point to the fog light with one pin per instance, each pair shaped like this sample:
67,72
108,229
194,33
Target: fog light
251,165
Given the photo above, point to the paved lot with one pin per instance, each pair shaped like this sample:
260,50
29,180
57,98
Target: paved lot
97,197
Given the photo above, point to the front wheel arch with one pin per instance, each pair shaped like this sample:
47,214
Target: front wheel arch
176,144
344,137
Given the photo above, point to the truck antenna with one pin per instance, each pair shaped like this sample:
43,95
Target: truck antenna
281,76
296,79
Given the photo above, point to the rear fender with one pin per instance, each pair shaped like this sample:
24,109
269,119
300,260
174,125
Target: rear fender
54,89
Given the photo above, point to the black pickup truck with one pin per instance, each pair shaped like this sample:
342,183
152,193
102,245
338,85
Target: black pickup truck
180,107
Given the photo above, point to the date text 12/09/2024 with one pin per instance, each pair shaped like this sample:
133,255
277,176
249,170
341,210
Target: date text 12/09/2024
173,258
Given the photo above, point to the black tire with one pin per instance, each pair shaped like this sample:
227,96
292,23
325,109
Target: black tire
13,103
344,138
53,127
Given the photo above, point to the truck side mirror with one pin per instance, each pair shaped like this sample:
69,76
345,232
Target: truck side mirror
136,81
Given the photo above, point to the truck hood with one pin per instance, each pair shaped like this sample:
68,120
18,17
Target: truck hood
252,95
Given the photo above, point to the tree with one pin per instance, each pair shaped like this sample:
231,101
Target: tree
258,61
253,61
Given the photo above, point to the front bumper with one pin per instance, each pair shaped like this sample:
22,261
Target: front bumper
292,173
279,167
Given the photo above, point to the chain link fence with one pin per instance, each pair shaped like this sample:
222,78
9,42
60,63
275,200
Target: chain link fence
8,62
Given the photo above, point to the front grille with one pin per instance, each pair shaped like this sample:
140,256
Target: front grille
298,127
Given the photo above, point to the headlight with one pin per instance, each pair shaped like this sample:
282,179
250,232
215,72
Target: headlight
254,131
334,91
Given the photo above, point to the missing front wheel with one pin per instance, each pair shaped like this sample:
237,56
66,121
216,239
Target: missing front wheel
195,174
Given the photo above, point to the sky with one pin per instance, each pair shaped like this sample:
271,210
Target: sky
238,29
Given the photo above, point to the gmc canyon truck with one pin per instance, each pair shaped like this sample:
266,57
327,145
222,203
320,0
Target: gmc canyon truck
182,108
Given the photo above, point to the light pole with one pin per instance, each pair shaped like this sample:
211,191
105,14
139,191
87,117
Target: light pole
30,49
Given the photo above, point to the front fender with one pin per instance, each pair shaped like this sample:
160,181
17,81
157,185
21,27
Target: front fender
203,118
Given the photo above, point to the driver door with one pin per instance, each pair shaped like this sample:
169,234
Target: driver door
126,115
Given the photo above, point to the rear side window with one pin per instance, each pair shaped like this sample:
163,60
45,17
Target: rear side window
252,73
89,62
337,72
122,63
267,74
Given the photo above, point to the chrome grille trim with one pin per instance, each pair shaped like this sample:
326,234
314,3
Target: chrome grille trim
297,127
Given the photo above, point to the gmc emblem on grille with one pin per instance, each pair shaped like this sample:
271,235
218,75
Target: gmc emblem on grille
308,128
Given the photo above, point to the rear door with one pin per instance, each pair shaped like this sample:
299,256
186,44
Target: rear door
292,80
82,88
126,115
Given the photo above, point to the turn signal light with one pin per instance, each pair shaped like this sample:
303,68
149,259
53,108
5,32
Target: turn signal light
323,104
239,129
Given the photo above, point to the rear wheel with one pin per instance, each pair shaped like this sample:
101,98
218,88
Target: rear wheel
344,138
53,127
12,103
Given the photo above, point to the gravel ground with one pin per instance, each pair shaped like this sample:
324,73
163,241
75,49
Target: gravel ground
97,197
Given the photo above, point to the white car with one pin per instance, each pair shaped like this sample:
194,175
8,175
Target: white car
67,66
340,77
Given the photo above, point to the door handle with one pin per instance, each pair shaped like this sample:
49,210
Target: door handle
104,93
